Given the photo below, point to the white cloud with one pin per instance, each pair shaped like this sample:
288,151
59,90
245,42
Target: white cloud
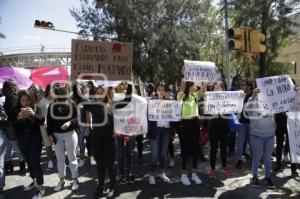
32,37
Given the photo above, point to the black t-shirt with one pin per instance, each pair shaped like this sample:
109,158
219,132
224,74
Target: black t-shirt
102,119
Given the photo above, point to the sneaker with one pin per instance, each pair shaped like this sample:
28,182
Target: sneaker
123,180
196,179
152,180
239,164
278,168
98,193
247,156
59,186
110,194
22,167
131,179
270,183
39,194
227,171
50,164
172,162
185,180
213,173
75,185
296,177
254,182
30,187
286,158
164,177
81,163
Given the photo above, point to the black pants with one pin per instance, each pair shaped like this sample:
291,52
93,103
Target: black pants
280,132
104,152
231,141
218,134
189,137
31,147
140,146
89,145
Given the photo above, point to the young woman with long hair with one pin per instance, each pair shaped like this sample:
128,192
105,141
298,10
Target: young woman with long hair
159,135
218,131
27,123
190,130
103,141
61,124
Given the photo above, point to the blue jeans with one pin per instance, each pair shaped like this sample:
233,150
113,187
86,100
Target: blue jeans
262,147
159,147
3,146
242,139
125,151
12,145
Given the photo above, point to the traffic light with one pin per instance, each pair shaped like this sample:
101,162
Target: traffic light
256,37
236,39
43,24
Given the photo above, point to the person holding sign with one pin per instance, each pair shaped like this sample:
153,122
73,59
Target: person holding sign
103,142
190,129
262,132
218,131
159,136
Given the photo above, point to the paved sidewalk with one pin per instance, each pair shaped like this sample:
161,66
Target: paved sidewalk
235,187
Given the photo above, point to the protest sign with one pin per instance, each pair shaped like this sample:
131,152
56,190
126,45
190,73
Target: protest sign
293,124
164,110
112,59
276,94
132,119
223,102
200,71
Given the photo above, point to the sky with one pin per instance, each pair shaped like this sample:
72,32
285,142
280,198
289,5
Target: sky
18,16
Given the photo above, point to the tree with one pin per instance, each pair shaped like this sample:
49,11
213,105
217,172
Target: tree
270,16
164,32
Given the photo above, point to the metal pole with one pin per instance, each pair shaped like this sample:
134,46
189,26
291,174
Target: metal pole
228,69
77,33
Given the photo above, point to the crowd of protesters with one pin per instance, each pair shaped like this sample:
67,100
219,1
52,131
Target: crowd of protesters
63,118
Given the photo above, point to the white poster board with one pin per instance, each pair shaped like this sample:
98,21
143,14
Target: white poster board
293,124
132,119
200,71
223,102
164,110
276,94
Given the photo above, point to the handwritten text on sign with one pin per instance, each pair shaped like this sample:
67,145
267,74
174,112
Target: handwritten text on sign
224,102
293,124
164,110
132,119
107,58
199,71
276,93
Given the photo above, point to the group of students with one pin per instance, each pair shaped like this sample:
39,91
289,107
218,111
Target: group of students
56,117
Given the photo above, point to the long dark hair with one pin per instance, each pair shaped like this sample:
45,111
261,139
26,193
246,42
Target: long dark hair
188,84
160,85
105,98
22,93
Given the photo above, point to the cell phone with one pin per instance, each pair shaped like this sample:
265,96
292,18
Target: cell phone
23,109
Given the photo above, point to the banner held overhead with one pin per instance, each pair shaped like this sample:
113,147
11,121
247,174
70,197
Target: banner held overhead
112,59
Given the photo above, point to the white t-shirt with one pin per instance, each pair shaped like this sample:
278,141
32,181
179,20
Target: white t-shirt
43,106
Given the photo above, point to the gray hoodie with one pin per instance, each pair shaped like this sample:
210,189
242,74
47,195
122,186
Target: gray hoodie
260,125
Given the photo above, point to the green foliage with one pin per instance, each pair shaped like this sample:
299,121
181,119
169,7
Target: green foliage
164,32
269,16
